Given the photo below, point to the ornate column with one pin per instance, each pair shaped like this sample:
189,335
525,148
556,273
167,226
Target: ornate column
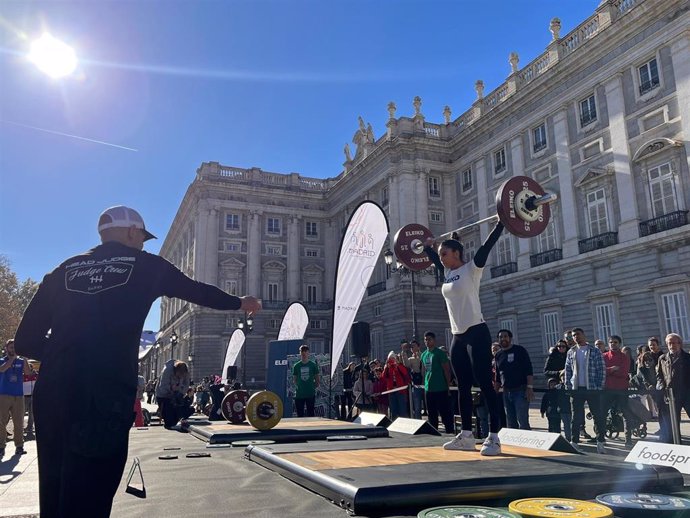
394,202
482,199
201,240
680,52
332,239
407,192
628,228
254,254
422,198
211,259
565,182
293,260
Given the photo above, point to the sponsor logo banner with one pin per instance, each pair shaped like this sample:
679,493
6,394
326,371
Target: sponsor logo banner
661,454
360,249
527,438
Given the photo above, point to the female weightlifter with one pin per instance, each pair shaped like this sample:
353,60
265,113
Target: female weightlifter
470,352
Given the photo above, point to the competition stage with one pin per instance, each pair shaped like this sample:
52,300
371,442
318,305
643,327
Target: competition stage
382,475
395,476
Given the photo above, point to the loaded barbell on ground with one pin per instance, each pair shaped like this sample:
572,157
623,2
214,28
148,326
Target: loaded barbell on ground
263,410
522,206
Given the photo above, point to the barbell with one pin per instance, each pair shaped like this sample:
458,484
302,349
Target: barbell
522,206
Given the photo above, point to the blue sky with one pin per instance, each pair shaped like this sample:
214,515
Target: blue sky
270,84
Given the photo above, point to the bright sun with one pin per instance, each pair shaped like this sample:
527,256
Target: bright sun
52,56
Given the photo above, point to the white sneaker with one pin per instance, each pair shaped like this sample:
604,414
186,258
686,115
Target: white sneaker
491,446
461,442
601,448
575,446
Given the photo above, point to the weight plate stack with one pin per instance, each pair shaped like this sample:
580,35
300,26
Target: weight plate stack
465,512
558,508
642,505
233,406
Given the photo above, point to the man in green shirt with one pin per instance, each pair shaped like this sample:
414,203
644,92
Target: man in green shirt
436,381
305,374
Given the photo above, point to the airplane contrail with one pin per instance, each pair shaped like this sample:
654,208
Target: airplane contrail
69,135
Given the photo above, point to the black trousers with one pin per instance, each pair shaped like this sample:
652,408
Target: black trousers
171,413
71,484
439,403
682,401
346,404
305,406
618,400
593,399
470,356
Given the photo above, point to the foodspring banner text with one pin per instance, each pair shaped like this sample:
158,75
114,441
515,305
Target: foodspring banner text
234,347
360,249
294,323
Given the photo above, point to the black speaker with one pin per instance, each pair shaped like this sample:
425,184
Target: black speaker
232,372
361,339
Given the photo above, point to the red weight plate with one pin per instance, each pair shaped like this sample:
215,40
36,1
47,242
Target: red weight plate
407,246
233,406
511,209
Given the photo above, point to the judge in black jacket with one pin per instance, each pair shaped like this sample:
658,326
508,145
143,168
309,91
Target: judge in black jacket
92,309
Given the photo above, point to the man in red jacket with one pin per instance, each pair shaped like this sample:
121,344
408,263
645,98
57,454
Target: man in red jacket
617,383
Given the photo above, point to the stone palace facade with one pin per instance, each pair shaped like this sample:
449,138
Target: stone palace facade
602,118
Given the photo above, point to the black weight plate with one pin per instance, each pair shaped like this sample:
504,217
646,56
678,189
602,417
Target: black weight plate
197,455
641,505
167,457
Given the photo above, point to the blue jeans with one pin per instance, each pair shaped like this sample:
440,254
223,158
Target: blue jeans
396,405
517,409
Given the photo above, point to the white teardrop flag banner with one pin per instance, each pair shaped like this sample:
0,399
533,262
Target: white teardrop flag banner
360,250
295,322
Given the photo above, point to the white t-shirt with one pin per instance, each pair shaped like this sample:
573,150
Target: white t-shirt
581,359
461,291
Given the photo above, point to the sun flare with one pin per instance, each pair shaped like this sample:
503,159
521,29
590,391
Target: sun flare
52,56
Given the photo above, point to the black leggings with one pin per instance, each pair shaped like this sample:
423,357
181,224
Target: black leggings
470,356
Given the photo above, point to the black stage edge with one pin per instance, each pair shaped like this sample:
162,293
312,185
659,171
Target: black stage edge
297,429
377,490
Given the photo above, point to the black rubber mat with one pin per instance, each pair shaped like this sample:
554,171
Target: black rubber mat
294,429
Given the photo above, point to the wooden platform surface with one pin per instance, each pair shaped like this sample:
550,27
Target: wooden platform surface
366,458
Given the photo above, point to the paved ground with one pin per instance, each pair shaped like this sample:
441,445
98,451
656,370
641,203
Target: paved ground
19,474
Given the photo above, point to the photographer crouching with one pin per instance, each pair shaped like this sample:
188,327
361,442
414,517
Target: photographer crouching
170,392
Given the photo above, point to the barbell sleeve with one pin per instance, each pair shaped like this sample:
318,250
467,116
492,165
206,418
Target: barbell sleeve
533,202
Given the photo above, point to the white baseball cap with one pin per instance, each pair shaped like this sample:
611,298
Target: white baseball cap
122,217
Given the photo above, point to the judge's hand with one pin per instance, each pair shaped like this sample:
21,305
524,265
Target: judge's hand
250,304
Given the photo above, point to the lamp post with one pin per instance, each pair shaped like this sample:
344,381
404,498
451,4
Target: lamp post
173,343
401,270
245,324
